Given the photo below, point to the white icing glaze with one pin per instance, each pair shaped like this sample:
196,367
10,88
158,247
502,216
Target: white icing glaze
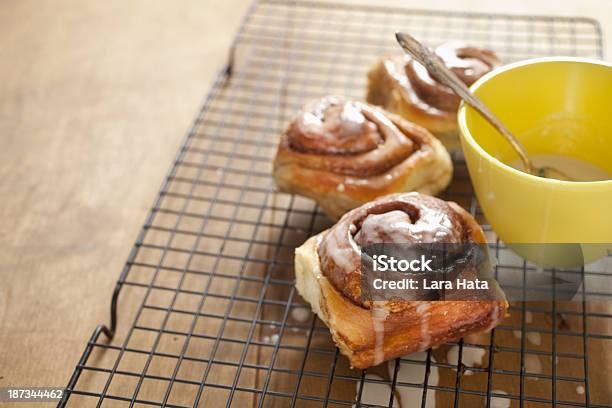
300,314
469,63
343,257
376,394
574,169
415,373
422,90
433,226
379,315
309,121
452,355
498,402
534,337
533,364
387,227
341,126
273,339
351,119
396,226
493,316
421,310
470,356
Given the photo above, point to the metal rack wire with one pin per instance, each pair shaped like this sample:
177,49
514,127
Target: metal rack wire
208,312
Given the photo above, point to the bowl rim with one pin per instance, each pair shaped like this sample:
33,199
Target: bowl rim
467,136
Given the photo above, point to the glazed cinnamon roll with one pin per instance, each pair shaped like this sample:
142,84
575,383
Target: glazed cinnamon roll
403,86
330,276
344,153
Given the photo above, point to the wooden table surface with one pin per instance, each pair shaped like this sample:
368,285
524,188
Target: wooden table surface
94,100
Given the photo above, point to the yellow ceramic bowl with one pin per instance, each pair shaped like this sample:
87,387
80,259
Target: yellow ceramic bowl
559,106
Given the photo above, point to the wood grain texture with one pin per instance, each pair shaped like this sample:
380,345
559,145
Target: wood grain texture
94,100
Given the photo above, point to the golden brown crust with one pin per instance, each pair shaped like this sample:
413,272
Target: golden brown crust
404,87
371,333
341,170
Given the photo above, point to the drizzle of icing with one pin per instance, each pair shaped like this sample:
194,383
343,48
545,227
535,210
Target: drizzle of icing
343,255
300,314
397,226
376,393
421,310
470,356
334,126
414,373
273,339
533,364
379,315
348,138
399,218
493,316
468,63
499,402
534,337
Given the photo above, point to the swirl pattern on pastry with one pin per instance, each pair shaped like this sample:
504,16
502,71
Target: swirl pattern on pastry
409,218
468,63
347,137
403,86
328,276
344,153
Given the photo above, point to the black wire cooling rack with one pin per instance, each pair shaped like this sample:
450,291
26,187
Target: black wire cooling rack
205,312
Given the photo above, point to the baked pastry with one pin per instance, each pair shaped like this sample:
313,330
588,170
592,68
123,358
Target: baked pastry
344,153
329,276
403,86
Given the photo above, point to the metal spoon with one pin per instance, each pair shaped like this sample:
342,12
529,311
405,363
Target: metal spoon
437,69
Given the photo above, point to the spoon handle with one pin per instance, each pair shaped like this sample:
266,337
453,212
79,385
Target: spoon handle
437,69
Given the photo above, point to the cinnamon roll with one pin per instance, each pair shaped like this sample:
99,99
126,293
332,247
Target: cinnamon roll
403,86
329,276
344,153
